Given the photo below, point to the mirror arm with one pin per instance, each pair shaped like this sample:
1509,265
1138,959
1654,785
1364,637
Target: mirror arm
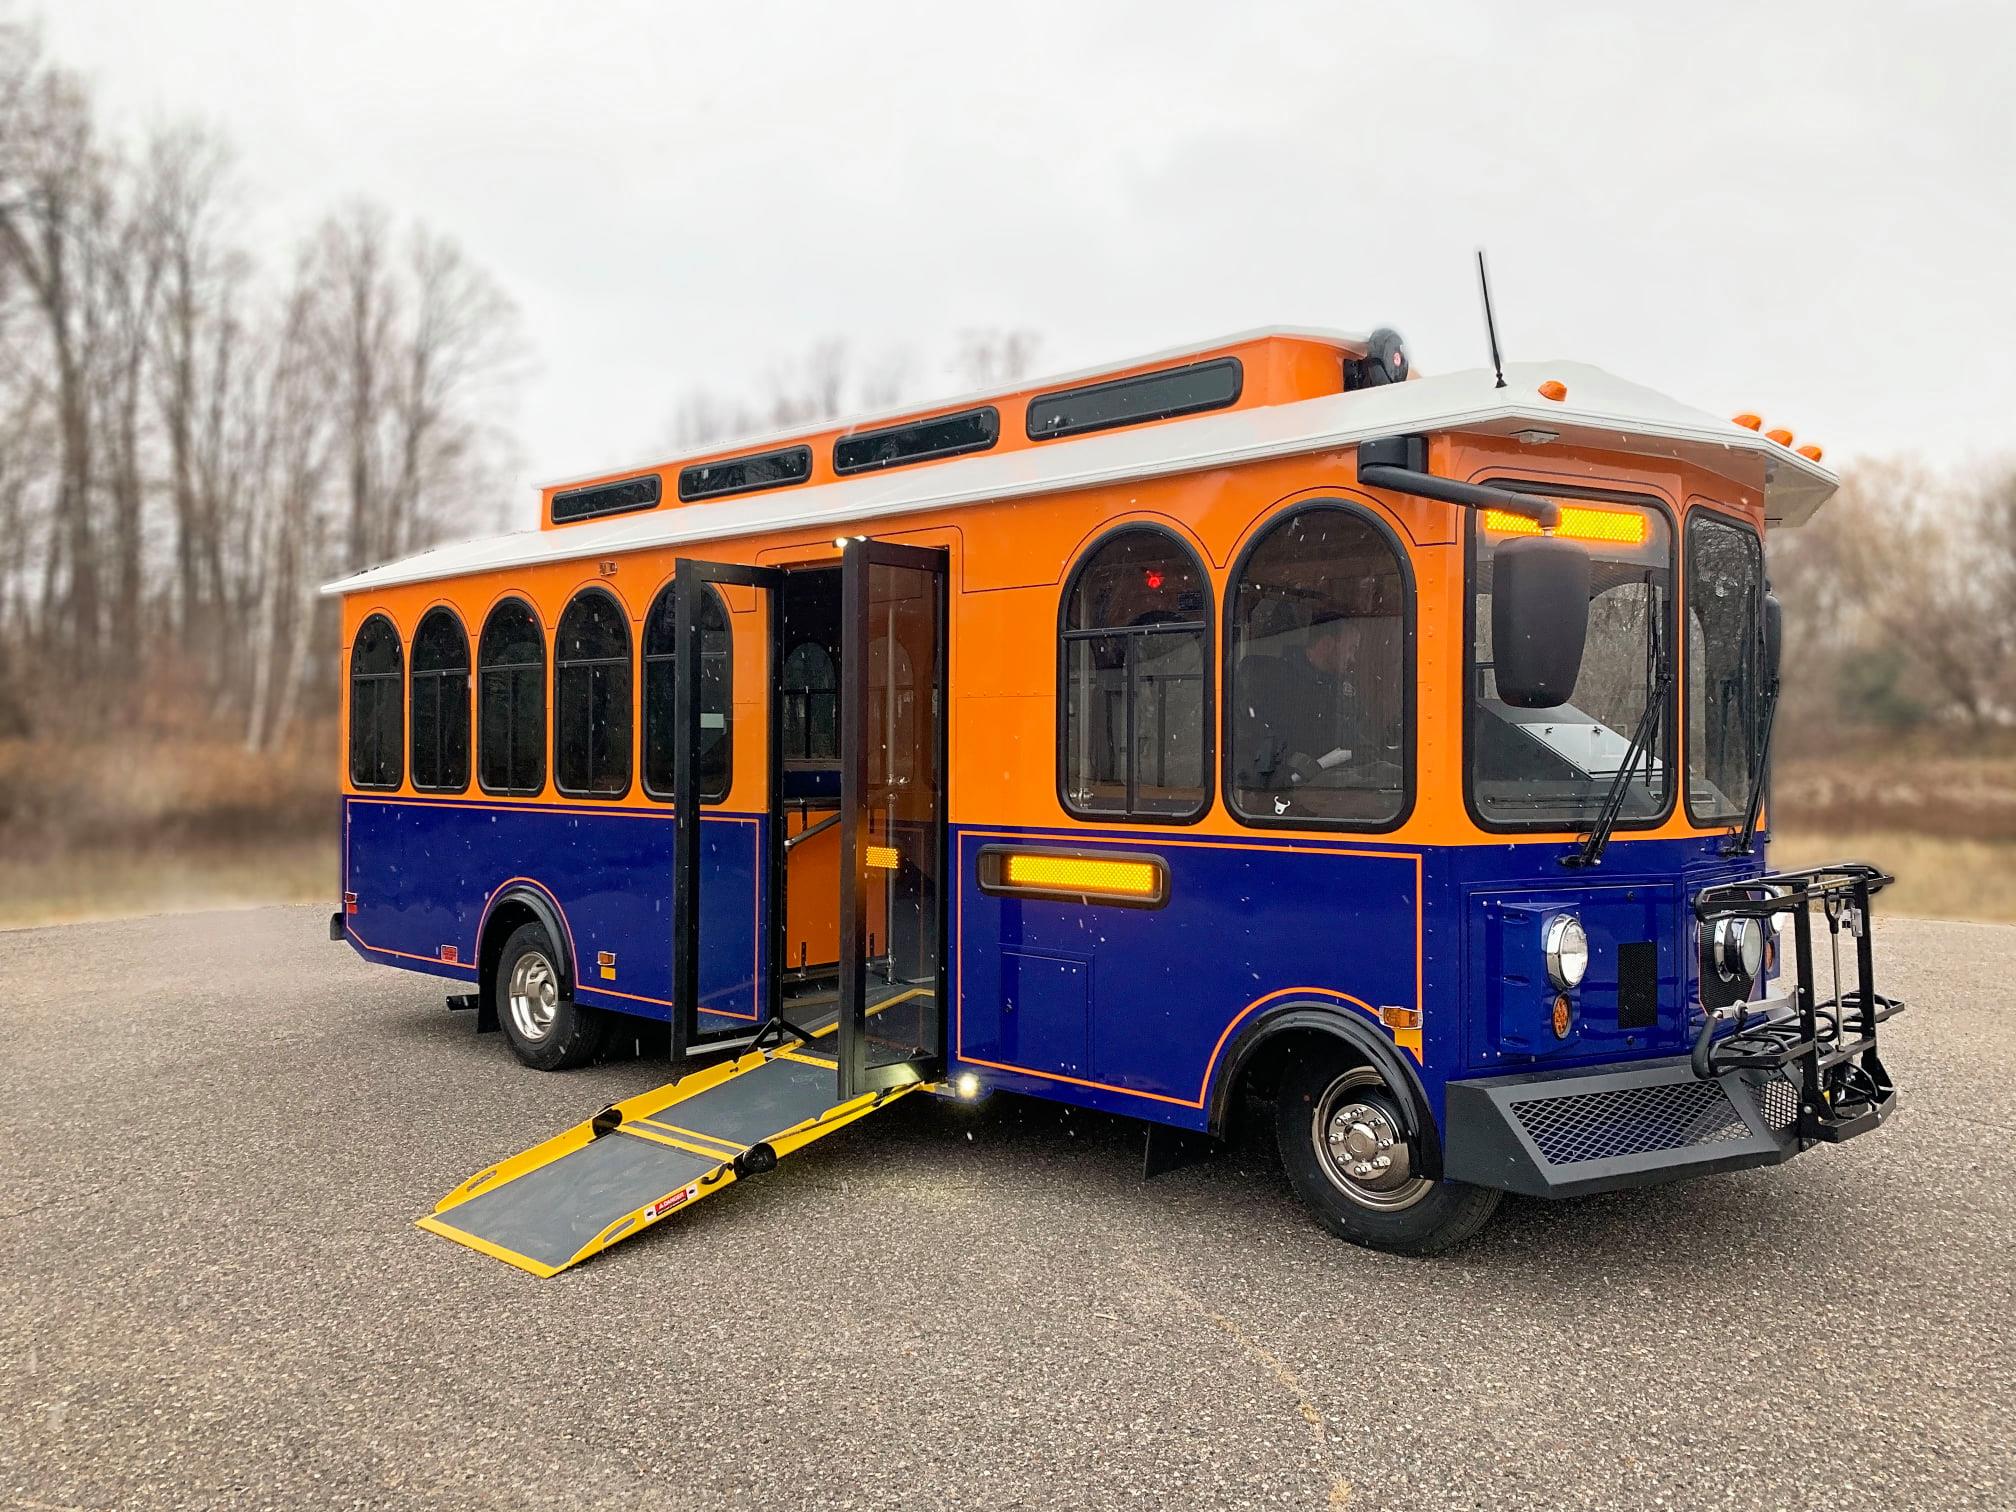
1399,464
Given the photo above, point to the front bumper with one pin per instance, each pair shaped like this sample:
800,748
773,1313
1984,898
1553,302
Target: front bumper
1765,1080
1602,1128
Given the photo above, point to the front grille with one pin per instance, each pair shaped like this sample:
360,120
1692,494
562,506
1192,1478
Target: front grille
1630,1121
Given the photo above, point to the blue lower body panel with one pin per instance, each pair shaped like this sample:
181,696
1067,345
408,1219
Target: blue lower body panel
425,874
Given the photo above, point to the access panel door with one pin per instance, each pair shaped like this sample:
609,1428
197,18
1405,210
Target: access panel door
707,916
892,815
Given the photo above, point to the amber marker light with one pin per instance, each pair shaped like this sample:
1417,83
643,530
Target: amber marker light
1563,1017
1782,436
1082,874
1578,523
1554,389
1810,452
1748,421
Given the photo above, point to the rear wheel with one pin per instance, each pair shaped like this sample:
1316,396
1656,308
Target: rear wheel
547,1029
1343,1134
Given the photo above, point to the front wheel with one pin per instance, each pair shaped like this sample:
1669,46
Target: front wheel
547,1029
1343,1135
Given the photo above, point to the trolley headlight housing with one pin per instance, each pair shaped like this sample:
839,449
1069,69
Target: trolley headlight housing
1736,949
1567,950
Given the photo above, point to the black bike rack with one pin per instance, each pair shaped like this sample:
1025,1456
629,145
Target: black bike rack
1827,1046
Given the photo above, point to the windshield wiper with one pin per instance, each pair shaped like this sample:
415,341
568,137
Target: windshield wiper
1658,678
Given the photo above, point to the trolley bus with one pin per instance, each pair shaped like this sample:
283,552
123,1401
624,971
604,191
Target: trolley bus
1254,724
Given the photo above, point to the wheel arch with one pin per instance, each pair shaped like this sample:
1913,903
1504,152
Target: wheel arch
1263,1046
508,909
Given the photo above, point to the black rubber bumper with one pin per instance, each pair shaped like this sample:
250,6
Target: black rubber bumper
1602,1128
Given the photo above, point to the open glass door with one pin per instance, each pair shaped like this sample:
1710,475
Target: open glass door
892,815
724,865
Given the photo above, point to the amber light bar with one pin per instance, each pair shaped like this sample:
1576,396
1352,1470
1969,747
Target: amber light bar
1578,523
1135,879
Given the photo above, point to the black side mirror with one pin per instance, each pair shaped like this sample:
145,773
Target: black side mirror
1774,636
1539,619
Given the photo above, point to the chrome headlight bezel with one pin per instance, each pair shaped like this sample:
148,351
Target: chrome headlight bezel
1736,948
1565,945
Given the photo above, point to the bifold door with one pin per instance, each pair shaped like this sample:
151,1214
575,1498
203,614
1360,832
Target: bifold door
892,815
703,652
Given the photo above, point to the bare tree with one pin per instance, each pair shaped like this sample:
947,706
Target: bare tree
54,208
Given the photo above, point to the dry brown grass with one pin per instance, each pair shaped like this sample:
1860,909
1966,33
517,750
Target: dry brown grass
109,883
114,825
1937,878
1961,788
1937,812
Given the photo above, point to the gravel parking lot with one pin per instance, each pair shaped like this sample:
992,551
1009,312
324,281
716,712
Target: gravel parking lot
218,1129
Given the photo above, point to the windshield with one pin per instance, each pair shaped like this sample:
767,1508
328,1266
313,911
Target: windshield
1725,585
1554,766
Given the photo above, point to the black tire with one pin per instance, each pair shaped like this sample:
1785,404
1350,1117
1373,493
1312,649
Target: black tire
1412,1215
547,1029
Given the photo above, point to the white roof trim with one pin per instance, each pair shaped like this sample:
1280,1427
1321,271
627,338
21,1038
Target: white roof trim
1344,340
1600,411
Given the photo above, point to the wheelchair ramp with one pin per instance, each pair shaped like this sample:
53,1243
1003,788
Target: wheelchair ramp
643,1159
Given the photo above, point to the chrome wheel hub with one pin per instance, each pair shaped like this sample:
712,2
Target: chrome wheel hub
534,996
1362,1143
1362,1139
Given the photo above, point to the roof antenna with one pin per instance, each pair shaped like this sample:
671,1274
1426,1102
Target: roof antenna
1490,325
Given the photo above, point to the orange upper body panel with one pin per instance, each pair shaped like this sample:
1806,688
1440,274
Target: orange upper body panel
1276,369
1009,562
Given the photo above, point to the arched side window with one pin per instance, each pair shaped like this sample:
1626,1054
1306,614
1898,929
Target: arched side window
1318,626
591,697
1134,694
716,690
511,701
377,729
440,703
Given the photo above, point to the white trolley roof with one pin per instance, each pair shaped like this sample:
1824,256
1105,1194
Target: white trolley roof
1599,411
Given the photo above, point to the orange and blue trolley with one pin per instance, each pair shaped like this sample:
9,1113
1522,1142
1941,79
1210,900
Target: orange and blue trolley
1258,723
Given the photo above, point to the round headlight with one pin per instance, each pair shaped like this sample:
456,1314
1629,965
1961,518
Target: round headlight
1567,951
1738,949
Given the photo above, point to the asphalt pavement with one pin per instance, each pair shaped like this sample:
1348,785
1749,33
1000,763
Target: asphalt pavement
216,1130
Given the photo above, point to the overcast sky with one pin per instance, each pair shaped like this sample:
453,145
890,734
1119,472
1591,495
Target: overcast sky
1804,209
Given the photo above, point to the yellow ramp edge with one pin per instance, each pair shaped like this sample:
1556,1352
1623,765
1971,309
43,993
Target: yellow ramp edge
641,1160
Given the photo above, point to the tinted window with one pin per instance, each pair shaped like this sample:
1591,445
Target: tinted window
661,680
1130,401
1316,638
1134,701
376,728
810,696
606,499
511,701
777,469
591,697
441,704
946,436
1725,665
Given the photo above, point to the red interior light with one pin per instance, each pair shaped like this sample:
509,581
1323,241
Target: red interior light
1153,577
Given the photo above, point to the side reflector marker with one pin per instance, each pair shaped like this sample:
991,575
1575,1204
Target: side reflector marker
1137,879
